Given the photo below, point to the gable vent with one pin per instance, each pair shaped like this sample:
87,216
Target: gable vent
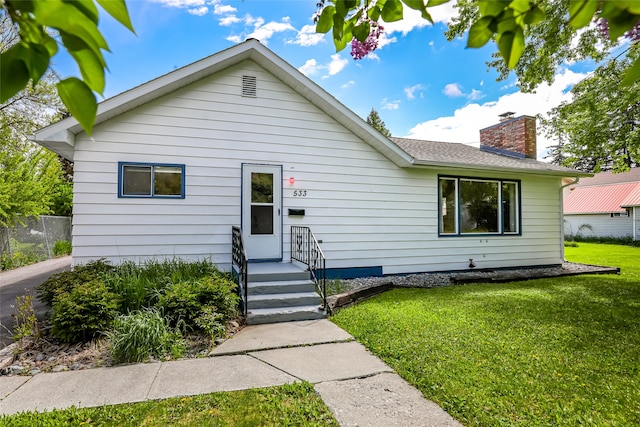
249,86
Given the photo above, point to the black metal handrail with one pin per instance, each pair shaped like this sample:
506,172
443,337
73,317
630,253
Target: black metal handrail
305,249
239,259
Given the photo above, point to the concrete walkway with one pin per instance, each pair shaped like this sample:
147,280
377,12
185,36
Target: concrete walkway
358,387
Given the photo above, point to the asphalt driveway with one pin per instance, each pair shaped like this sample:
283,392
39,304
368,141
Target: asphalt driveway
20,281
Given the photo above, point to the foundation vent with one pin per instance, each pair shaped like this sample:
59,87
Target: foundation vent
249,86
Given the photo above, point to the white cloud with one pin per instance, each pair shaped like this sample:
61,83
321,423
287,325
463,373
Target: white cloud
200,11
337,64
250,20
412,19
390,105
261,31
181,3
453,90
466,122
475,95
385,39
443,13
373,57
222,9
307,36
194,7
310,67
227,21
410,92
348,84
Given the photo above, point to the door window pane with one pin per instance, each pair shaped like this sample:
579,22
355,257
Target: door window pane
479,206
510,207
448,206
261,187
167,181
136,180
261,219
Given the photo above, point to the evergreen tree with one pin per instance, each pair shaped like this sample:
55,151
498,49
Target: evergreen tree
374,120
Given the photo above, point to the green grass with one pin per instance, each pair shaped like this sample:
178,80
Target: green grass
287,405
563,351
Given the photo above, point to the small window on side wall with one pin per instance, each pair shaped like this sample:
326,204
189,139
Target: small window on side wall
150,180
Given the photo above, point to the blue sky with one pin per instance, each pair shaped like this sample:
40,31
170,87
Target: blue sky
422,85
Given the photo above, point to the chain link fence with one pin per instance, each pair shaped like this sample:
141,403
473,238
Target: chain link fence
37,240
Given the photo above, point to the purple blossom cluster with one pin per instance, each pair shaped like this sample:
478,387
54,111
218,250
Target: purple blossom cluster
633,34
603,26
361,49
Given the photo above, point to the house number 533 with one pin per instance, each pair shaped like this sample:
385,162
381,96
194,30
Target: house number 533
299,193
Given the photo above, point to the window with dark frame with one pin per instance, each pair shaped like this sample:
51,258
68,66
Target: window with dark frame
151,180
470,206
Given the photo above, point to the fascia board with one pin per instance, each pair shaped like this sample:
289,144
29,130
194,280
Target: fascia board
570,174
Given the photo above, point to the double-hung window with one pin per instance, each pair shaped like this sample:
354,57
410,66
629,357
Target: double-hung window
150,180
470,206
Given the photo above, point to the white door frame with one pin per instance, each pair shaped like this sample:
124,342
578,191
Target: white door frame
262,236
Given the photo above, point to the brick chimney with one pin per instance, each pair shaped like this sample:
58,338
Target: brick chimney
511,137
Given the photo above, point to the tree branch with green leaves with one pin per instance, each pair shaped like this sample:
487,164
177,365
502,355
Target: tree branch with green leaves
75,25
515,26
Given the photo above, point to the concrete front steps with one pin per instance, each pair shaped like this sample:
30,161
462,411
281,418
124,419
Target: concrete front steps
281,292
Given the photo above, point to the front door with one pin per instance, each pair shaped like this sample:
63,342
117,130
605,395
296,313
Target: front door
261,206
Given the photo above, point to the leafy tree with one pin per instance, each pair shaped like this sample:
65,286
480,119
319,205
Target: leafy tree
374,120
31,177
28,178
532,36
75,24
600,127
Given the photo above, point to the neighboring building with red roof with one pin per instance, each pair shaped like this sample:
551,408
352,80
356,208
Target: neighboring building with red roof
605,205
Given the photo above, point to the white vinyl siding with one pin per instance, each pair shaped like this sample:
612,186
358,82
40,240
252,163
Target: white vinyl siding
367,211
598,225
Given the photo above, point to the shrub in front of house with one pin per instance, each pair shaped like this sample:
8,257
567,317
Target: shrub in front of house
210,299
83,312
64,282
146,333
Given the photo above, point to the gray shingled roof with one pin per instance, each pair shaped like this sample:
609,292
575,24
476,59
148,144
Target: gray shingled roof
465,156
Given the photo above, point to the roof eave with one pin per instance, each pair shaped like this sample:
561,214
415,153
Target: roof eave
466,166
61,142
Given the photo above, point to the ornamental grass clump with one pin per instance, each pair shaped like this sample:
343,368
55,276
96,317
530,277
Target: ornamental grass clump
146,333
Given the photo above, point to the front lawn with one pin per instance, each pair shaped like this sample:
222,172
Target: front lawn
287,405
561,351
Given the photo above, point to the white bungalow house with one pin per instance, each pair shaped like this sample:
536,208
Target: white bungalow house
605,205
242,138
